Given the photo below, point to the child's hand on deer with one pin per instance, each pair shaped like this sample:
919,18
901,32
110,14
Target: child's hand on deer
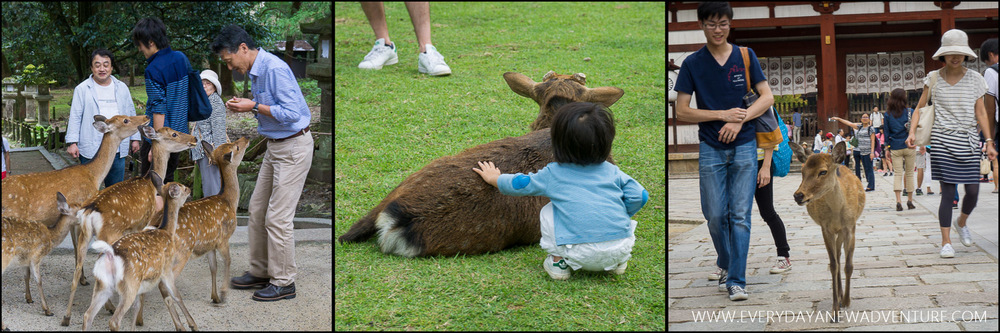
488,171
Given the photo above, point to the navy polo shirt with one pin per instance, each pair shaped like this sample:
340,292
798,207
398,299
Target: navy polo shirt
719,88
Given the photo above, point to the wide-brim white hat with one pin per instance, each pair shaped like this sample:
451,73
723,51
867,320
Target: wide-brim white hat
210,75
955,41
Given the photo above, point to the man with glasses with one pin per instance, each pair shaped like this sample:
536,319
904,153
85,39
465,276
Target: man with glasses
727,160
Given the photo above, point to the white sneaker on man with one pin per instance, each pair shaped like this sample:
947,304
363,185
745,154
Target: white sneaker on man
431,62
379,56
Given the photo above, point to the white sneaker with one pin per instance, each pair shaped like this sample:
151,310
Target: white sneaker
557,270
431,62
947,251
379,56
783,265
966,236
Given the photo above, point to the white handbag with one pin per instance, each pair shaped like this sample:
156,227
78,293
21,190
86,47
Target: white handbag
926,121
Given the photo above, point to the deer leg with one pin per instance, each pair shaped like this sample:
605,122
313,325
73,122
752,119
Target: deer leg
829,240
27,285
138,312
167,287
135,311
101,295
226,261
126,296
848,267
212,267
74,236
33,270
81,251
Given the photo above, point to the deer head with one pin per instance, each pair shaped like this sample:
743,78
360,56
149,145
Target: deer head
820,172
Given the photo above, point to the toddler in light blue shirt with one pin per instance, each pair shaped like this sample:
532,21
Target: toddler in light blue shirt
587,225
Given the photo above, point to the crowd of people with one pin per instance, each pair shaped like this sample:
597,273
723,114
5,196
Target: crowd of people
729,179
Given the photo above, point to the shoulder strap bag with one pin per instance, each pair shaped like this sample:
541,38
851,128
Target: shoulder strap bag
926,121
768,133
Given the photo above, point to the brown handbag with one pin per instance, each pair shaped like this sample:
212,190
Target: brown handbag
768,132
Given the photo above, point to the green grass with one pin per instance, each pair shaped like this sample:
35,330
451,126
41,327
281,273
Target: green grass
392,122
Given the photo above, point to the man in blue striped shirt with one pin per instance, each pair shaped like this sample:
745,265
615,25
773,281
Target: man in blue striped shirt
166,87
283,118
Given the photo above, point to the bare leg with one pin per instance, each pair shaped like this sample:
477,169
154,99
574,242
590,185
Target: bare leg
375,12
420,15
945,236
961,220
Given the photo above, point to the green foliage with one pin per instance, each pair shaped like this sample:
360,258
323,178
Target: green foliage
31,75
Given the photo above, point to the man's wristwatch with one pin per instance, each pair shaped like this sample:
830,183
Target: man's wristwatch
255,110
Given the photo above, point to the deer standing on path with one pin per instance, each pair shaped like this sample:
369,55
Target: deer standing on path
26,242
835,199
137,263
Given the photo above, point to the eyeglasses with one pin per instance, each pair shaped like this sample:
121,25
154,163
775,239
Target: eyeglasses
713,25
865,117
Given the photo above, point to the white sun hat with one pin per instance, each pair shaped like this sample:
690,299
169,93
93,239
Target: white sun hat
210,75
955,41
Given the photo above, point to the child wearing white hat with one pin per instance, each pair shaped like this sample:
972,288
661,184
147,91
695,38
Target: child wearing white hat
211,130
958,107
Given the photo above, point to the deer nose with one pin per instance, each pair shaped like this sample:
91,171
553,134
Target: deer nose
798,197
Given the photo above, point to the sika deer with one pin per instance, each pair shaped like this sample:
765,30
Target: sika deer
26,242
78,183
126,207
205,225
835,199
136,263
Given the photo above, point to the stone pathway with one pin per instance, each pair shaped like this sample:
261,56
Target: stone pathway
899,281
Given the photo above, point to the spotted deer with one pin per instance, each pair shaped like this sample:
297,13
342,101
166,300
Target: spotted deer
138,262
204,226
26,242
834,198
126,207
78,183
444,209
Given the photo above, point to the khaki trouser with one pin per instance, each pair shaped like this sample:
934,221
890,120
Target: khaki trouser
903,161
272,207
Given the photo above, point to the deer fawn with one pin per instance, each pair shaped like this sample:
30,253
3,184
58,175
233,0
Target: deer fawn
136,263
205,225
125,207
26,242
834,198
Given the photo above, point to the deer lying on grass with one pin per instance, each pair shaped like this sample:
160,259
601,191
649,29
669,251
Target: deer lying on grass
26,242
445,209
136,263
834,197
205,225
126,207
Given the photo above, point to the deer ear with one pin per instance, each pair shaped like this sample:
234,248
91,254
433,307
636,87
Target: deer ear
799,152
839,152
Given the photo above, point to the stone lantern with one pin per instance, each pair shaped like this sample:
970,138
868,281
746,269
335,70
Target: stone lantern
13,102
322,72
42,98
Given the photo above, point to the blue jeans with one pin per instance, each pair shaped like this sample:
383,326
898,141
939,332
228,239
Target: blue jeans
864,161
728,178
117,172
